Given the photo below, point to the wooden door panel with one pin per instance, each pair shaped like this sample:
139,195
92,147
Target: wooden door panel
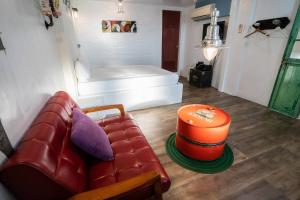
170,40
286,98
286,93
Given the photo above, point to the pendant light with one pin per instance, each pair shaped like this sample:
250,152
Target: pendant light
212,42
120,6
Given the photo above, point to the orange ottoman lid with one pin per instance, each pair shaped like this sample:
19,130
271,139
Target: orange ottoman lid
203,123
203,116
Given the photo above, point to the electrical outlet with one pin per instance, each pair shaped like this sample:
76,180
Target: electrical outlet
240,28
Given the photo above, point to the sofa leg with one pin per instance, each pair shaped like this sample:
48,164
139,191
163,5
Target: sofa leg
158,190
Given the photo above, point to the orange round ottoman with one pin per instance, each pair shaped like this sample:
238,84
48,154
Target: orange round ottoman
202,131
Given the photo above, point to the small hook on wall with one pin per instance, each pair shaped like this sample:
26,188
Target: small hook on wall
2,48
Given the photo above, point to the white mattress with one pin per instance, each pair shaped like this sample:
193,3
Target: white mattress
116,79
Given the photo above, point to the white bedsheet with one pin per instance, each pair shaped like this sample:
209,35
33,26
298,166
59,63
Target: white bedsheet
117,79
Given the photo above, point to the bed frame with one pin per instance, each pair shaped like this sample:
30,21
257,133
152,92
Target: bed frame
144,95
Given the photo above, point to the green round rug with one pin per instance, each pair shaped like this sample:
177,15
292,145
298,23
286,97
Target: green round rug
208,167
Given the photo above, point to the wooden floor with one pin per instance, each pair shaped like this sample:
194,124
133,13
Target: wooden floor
266,146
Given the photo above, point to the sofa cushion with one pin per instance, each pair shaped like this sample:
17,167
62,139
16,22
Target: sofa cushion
133,155
90,137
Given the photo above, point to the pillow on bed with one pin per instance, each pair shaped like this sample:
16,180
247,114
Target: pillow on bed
90,137
82,72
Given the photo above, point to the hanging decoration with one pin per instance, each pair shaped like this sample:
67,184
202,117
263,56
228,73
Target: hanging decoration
67,3
268,24
55,8
50,9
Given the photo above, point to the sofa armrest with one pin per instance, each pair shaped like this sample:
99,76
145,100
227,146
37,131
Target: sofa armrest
120,107
123,188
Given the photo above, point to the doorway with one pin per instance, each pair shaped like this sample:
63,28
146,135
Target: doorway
286,93
170,40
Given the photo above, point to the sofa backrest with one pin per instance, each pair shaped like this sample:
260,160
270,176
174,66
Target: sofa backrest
46,165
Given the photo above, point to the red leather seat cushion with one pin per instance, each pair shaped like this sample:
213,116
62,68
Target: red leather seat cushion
133,155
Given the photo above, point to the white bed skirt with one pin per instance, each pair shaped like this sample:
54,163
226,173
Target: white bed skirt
135,99
113,79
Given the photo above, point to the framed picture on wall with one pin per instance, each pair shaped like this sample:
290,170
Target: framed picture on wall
115,26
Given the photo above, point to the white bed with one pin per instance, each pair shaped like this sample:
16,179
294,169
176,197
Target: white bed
136,87
108,79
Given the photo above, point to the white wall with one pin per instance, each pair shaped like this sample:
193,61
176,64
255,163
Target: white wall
252,63
33,68
115,49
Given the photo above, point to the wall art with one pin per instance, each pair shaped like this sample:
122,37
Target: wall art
114,26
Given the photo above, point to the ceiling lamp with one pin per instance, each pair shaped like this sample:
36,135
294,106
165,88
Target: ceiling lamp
120,6
212,42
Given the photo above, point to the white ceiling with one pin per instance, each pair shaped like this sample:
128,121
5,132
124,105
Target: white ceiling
180,3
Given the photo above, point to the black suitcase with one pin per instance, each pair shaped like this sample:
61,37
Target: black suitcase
201,76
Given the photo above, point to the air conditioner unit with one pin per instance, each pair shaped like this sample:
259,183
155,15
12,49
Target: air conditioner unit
202,12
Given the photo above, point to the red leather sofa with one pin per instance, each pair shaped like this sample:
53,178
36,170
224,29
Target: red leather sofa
46,165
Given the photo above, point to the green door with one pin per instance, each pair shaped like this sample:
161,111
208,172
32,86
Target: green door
286,93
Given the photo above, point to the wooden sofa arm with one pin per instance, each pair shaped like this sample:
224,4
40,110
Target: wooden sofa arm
124,188
120,107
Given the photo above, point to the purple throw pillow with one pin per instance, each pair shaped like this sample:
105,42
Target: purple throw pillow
90,137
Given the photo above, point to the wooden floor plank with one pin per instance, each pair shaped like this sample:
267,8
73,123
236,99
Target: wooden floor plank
261,190
266,147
